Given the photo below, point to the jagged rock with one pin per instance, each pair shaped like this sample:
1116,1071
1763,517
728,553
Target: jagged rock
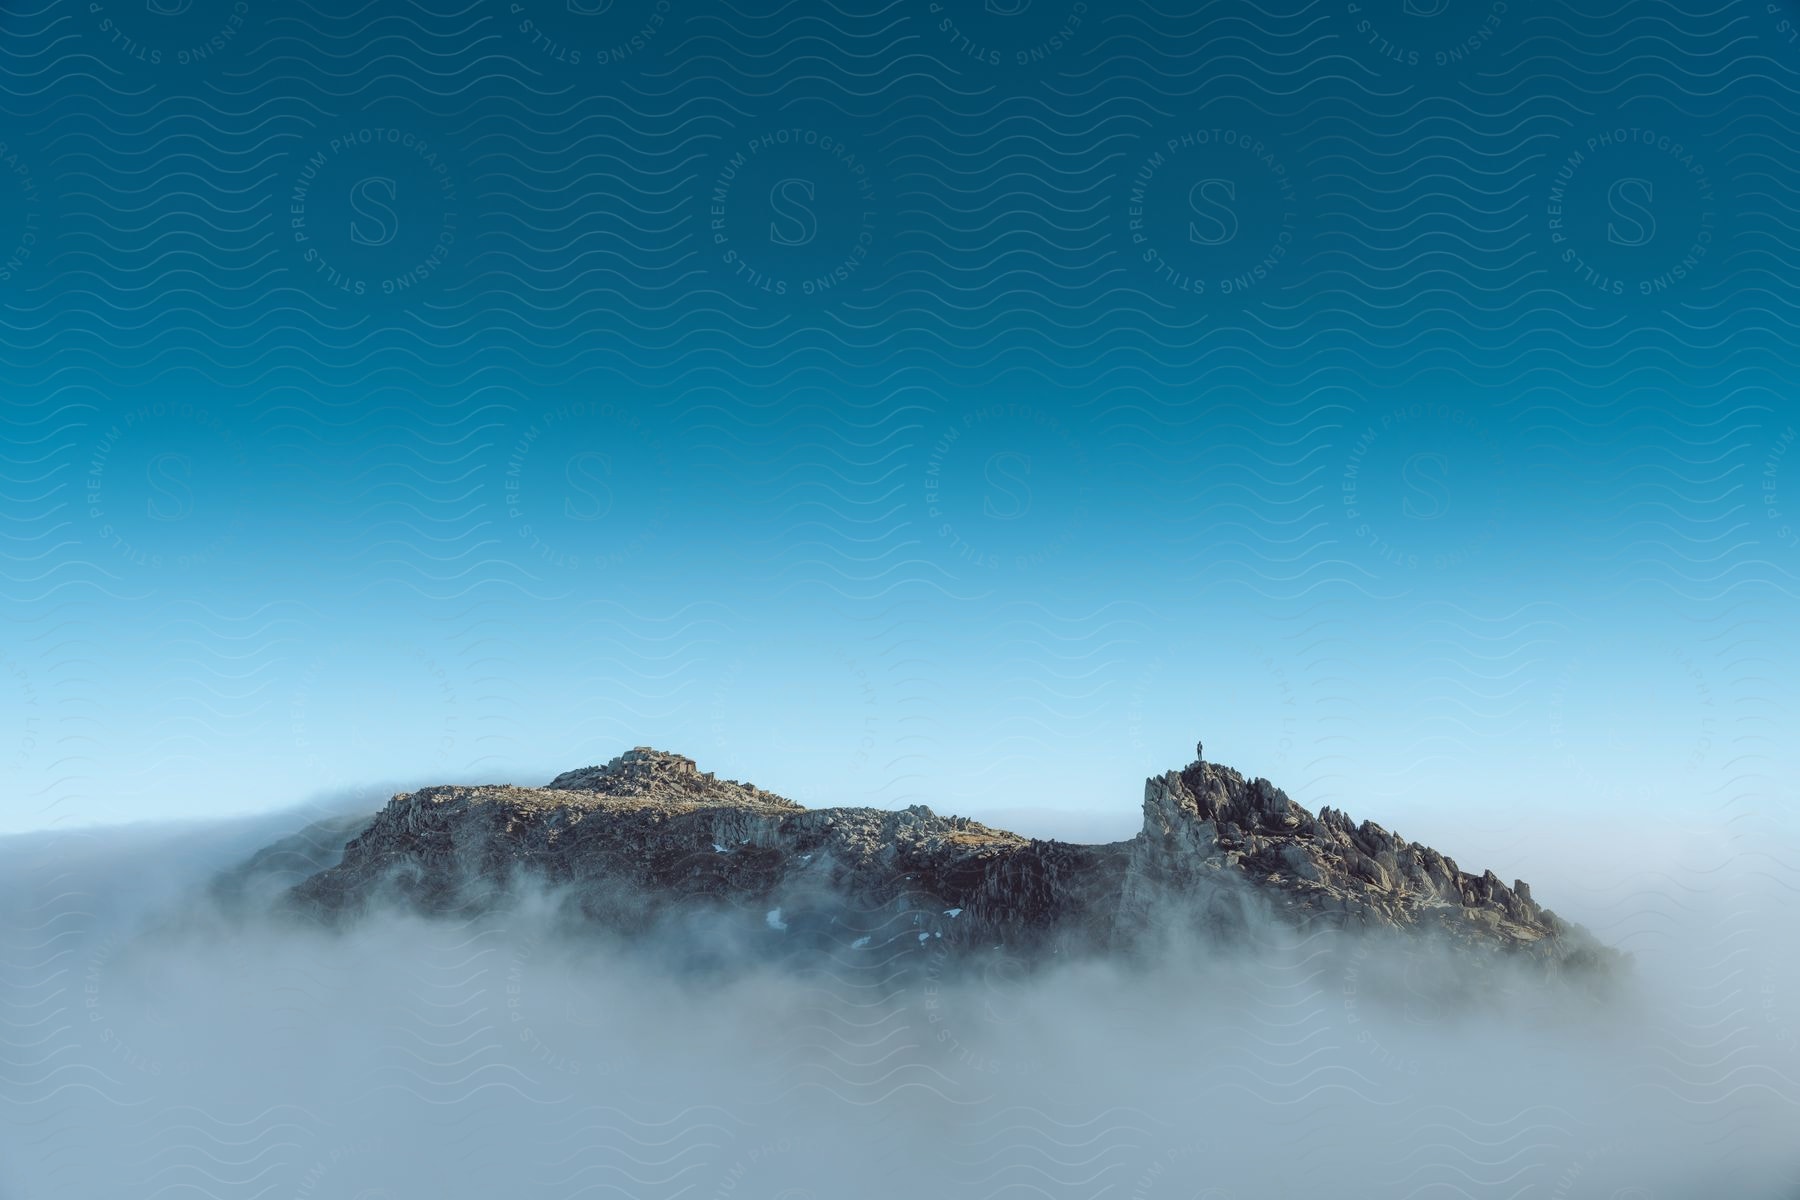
647,835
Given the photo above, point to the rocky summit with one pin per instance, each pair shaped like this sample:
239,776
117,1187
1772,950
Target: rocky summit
648,838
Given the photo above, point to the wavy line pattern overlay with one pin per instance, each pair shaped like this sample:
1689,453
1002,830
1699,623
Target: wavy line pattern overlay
893,402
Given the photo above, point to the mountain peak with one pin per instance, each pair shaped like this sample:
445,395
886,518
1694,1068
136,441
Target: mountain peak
644,772
639,762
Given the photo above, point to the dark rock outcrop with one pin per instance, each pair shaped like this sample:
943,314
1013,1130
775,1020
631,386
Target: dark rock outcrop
648,837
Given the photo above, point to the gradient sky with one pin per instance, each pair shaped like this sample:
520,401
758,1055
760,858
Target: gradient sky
893,414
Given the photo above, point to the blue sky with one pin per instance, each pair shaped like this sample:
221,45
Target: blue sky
894,414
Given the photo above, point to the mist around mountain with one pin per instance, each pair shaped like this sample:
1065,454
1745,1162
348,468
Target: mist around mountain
166,1002
649,844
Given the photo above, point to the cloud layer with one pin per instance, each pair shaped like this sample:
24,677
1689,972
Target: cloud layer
162,1044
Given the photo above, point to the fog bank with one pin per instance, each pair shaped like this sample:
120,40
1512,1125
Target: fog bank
159,1044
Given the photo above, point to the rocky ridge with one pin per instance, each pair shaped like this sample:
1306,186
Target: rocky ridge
647,836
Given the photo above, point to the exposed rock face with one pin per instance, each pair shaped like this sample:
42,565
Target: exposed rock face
1209,821
648,836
